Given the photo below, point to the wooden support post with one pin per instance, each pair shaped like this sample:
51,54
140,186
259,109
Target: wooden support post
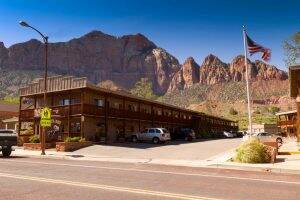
152,114
82,119
106,107
20,107
124,122
34,119
298,119
139,110
68,117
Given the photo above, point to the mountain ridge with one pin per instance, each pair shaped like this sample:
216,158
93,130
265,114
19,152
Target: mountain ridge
125,60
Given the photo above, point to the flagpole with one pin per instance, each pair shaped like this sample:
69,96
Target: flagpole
247,80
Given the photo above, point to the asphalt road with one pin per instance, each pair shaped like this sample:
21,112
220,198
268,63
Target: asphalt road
55,179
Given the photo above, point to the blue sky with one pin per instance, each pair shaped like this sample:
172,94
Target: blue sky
183,27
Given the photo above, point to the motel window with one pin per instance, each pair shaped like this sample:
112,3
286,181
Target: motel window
64,102
99,102
75,101
132,107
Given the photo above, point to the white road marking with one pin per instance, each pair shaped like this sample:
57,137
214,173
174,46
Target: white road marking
158,172
106,187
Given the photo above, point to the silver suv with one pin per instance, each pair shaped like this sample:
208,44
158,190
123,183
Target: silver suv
156,135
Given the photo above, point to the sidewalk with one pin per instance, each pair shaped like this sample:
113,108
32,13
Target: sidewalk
284,164
288,160
289,148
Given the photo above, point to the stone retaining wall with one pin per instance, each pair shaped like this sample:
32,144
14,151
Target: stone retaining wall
71,146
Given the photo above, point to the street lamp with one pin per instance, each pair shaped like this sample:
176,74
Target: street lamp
45,40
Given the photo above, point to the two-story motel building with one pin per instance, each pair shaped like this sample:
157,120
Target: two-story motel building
80,108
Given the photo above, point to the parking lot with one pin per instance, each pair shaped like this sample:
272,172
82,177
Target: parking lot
173,150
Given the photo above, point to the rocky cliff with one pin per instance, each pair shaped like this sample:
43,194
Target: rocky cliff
124,61
100,57
214,71
187,76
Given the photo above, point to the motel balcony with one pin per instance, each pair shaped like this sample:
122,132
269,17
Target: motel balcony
93,110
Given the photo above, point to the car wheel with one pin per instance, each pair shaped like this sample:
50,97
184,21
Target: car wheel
155,140
6,152
134,139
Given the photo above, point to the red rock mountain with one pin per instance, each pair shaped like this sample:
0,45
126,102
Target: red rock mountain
125,60
186,76
213,71
100,57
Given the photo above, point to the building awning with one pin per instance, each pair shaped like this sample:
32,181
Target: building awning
11,120
286,113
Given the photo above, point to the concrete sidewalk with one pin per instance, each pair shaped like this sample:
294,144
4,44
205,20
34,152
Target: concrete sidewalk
284,164
290,147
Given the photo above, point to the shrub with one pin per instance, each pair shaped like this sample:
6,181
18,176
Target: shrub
273,109
205,134
34,139
232,111
252,151
73,139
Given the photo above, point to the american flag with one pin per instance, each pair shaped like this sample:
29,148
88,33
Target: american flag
253,48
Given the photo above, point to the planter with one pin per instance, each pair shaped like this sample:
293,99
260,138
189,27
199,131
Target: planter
272,150
35,146
71,146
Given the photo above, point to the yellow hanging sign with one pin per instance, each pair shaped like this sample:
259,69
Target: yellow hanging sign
46,117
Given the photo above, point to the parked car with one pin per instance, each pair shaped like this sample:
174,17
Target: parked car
234,133
241,133
265,137
8,138
156,135
187,134
227,134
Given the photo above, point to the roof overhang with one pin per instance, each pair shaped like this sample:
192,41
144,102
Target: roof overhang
286,113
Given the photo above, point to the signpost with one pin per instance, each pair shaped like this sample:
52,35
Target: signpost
45,122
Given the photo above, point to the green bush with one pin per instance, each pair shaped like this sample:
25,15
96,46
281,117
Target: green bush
252,151
34,139
273,110
73,139
205,134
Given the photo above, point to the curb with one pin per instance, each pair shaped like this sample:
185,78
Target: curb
258,169
289,153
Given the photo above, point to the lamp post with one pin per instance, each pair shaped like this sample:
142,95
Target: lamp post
45,40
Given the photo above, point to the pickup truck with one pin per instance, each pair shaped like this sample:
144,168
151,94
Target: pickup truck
8,138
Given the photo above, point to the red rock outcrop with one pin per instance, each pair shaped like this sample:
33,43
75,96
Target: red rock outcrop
123,60
213,71
187,76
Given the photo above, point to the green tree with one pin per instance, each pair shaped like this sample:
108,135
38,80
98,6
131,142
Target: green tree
291,48
143,88
273,109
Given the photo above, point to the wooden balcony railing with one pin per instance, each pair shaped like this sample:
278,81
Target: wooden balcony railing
113,112
287,123
26,114
145,116
60,111
93,110
75,109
